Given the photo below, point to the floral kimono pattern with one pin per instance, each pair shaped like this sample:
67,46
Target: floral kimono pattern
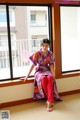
42,64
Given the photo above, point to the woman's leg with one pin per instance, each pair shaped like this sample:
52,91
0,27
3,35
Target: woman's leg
44,82
50,89
47,84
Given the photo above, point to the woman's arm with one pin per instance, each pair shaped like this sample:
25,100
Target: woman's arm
31,68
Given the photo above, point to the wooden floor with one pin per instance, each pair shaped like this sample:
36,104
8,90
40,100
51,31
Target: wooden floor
68,109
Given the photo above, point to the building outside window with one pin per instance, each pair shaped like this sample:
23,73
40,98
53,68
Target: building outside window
2,16
24,38
33,17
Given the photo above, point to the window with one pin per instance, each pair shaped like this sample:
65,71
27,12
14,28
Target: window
70,38
4,49
21,39
45,17
38,17
33,17
2,16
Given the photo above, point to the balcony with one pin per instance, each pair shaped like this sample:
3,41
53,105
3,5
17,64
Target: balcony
21,49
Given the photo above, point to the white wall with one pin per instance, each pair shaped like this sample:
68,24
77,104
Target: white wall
24,91
68,84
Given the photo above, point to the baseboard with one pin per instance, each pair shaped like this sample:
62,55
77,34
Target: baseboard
69,92
18,102
24,101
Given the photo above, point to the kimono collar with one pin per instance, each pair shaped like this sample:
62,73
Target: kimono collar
48,52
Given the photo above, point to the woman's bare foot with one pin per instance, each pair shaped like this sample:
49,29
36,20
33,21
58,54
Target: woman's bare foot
49,106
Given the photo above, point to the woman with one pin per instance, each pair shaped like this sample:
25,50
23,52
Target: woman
44,83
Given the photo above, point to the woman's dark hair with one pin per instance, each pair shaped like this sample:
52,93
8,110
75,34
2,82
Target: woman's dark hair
46,40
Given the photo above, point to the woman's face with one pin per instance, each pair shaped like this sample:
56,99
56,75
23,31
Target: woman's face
44,47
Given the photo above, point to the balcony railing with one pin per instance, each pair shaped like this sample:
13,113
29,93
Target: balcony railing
21,49
39,23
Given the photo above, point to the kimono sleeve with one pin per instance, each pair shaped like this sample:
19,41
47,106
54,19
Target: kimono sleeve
52,59
33,58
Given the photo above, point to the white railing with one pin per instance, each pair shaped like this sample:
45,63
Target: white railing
39,23
21,49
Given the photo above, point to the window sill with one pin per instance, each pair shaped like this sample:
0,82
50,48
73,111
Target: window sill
15,82
31,80
69,74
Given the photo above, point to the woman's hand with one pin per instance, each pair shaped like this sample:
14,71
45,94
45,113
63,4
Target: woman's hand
25,78
31,68
54,76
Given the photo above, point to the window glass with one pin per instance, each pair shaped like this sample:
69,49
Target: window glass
29,29
4,51
70,38
2,16
33,17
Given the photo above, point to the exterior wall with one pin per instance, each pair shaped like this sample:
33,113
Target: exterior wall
39,23
21,32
